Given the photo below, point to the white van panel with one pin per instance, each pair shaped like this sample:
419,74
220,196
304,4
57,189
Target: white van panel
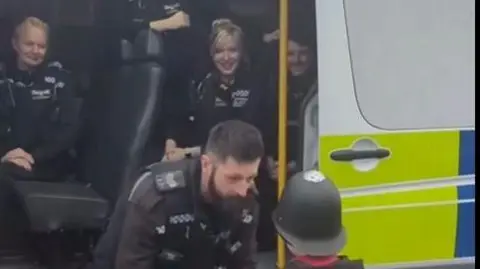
413,62
385,106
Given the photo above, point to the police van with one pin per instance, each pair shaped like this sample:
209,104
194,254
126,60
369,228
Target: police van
392,123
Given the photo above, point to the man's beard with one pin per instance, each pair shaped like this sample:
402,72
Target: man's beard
219,202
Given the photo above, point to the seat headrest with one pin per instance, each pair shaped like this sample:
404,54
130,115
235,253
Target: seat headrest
148,46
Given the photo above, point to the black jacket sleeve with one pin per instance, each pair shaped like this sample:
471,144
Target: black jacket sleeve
142,228
138,242
64,123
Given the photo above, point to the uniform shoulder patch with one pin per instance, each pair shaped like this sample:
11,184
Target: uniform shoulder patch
143,192
169,181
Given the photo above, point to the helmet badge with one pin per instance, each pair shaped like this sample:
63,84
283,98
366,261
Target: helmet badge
313,176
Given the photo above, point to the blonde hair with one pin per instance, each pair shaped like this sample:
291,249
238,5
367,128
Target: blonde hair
222,28
31,22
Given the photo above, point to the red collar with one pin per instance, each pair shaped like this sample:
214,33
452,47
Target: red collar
320,261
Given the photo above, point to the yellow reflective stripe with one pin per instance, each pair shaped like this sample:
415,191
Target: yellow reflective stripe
402,227
414,156
409,225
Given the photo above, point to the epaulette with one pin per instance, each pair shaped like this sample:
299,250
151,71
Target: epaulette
141,187
57,65
169,181
143,192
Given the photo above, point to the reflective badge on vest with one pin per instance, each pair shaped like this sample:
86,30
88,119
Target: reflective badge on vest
160,229
181,218
41,94
240,97
247,216
50,80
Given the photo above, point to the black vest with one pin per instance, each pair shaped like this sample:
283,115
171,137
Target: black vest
194,237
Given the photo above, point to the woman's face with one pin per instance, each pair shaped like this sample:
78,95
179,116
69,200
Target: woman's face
299,58
226,55
30,46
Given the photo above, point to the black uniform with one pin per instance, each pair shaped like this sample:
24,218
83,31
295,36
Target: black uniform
169,226
40,114
213,101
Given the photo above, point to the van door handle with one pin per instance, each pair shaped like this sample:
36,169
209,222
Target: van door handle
348,155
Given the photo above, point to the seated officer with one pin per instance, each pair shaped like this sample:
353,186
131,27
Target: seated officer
316,241
38,119
229,91
197,213
37,105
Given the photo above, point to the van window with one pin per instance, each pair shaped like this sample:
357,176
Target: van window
413,62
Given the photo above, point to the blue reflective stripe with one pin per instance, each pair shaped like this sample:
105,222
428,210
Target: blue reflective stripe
467,152
465,241
466,192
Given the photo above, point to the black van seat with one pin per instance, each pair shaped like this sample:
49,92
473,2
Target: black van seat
115,138
73,205
62,206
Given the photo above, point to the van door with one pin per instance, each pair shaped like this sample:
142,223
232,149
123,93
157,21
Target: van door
397,125
308,155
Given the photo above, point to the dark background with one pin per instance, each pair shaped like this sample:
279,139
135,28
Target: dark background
75,24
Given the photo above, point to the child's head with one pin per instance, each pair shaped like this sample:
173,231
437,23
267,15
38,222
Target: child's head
309,216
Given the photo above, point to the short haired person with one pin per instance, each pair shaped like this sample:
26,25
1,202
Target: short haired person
199,212
39,114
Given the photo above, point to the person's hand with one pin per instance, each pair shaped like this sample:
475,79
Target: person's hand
21,162
269,37
18,153
176,155
174,22
272,168
180,20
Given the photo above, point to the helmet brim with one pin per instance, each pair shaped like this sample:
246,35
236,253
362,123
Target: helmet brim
314,247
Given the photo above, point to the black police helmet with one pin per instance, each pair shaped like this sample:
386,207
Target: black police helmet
309,215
